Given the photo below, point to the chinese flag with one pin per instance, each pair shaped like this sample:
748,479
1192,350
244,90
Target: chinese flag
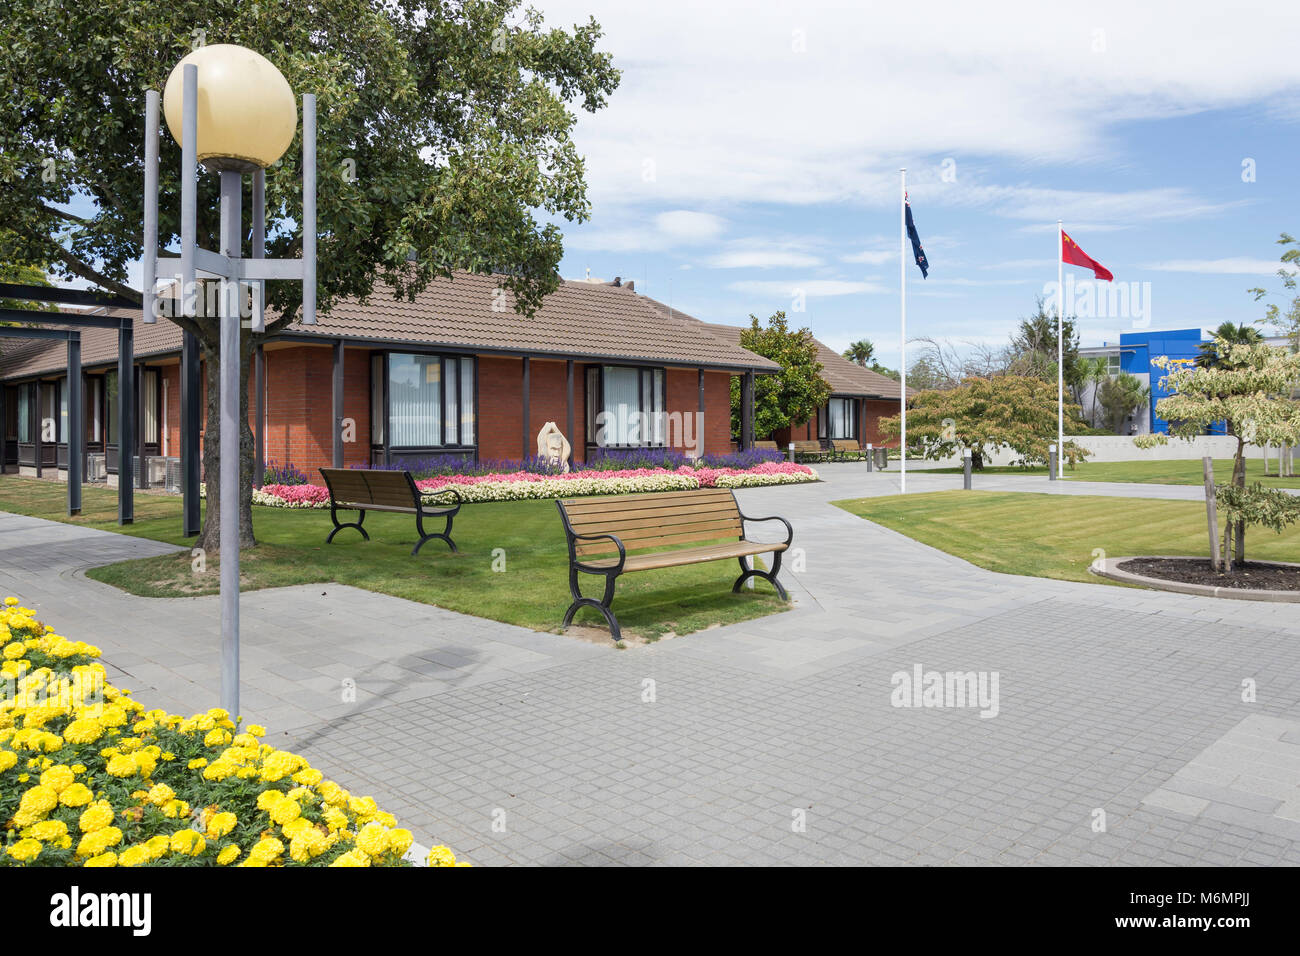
1071,253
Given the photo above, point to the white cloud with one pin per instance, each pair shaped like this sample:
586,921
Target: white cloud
871,257
1230,266
686,226
812,288
764,259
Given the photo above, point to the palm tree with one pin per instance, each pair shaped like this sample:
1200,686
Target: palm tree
860,352
1225,336
1094,371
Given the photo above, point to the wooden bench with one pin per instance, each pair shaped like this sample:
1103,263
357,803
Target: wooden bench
845,449
366,489
809,451
766,446
684,527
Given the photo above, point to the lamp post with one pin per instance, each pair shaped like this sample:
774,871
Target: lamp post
232,111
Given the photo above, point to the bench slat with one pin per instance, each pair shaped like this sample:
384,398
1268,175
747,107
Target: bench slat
671,559
647,516
654,538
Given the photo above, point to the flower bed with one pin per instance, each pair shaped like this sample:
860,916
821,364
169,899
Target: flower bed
88,777
521,485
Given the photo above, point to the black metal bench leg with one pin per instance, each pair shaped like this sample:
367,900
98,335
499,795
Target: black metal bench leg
444,534
770,576
339,526
603,605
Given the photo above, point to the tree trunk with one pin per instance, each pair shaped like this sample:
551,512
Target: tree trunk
210,534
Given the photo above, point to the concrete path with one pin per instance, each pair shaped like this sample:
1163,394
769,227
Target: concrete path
1118,732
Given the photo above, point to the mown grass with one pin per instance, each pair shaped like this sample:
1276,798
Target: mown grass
1055,536
523,537
1147,472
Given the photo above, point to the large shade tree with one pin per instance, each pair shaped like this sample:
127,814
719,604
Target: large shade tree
444,144
792,395
1250,390
985,414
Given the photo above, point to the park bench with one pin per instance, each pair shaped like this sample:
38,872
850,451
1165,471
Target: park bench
366,489
809,451
683,527
846,449
766,446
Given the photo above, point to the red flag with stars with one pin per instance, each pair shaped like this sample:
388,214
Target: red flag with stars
1071,253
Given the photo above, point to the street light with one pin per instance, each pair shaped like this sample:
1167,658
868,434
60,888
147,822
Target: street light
233,111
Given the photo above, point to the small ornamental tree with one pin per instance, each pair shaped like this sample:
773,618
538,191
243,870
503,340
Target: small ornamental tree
791,396
985,414
1249,390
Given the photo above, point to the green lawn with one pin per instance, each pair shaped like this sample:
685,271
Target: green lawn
1053,536
1146,472
532,591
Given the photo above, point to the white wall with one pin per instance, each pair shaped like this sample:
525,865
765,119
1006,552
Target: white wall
1121,448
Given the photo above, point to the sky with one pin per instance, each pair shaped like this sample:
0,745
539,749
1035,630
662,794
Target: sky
750,159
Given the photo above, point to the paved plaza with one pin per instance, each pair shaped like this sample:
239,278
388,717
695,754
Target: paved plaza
1119,732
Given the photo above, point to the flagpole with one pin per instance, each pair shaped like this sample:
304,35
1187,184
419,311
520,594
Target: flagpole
902,329
1060,344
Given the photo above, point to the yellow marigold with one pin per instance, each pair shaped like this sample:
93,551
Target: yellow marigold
363,806
137,855
352,858
121,765
145,762
333,794
113,715
58,778
174,809
399,841
15,650
297,827
96,842
336,819
221,824
158,846
159,794
245,740
39,799
49,831
189,842
257,730
95,817
268,799
217,737
373,840
7,759
24,851
84,731
308,777
10,601
218,770
228,855
266,849
308,845
76,795
197,763
105,859
441,856
285,810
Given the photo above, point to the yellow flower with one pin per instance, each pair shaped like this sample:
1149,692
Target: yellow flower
308,777
297,827
352,858
441,856
174,809
50,831
221,824
197,763
121,765
336,819
266,849
216,738
159,794
58,778
24,851
84,731
10,601
268,799
284,811
158,846
373,840
257,730
399,841
228,855
76,795
106,859
96,842
95,817
189,842
7,759
14,651
135,856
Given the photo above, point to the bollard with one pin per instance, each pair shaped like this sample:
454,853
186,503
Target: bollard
871,457
966,469
791,452
1051,462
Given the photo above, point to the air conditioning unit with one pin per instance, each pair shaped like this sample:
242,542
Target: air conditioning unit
172,483
156,473
96,468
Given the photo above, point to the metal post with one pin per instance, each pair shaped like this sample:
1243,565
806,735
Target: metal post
336,394
141,394
76,427
568,376
966,466
125,422
527,389
258,323
259,414
149,261
39,435
699,428
1051,462
747,411
871,457
309,209
230,451
189,188
190,418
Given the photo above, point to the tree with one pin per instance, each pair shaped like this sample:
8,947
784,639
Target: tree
1287,322
794,394
860,352
1250,391
1120,397
1213,354
1033,347
445,135
984,414
1094,371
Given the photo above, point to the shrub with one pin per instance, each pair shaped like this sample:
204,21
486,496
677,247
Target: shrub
89,777
286,475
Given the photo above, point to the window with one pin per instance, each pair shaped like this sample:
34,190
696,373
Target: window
430,401
1112,364
110,388
49,424
151,402
24,413
625,406
377,399
839,419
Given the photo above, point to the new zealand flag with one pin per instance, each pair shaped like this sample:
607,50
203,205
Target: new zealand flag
917,251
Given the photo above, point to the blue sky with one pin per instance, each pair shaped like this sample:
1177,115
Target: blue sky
753,150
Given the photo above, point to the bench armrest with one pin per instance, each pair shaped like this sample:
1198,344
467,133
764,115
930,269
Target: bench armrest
442,491
622,551
789,531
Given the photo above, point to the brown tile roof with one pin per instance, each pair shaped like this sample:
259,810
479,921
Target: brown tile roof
844,377
580,319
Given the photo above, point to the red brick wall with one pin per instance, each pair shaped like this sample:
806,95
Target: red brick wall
300,407
501,407
876,410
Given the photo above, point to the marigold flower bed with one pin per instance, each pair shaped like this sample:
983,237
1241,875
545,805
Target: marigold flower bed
521,485
88,777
